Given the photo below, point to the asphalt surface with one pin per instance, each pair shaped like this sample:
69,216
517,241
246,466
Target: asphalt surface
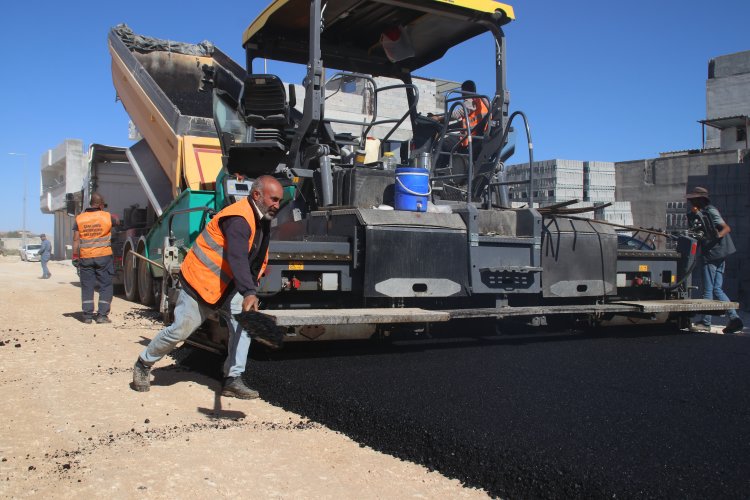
635,414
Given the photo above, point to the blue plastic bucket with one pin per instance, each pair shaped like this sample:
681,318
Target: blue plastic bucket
412,189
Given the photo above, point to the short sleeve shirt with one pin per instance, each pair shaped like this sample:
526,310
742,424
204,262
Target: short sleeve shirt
716,248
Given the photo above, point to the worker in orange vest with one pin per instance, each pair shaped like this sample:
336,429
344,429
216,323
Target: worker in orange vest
92,249
220,274
476,109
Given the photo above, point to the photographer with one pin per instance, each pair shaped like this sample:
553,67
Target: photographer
716,246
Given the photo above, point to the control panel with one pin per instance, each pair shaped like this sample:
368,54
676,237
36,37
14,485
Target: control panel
237,190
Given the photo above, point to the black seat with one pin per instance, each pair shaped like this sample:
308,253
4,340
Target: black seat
263,101
263,105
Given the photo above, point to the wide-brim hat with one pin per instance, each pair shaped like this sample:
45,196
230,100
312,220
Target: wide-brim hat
698,192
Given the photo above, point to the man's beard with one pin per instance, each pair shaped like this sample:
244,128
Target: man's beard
266,212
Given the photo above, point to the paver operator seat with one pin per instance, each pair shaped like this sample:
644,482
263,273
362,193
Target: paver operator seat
254,126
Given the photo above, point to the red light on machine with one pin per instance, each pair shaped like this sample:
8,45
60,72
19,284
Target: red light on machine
693,248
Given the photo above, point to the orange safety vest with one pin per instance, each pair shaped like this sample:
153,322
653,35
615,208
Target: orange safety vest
95,234
480,109
205,268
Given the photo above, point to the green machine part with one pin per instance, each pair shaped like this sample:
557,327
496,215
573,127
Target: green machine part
187,221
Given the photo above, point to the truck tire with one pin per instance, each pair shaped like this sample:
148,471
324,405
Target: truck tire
146,294
129,278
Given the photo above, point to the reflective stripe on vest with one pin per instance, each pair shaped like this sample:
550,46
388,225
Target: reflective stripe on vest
206,260
204,267
475,116
95,234
95,242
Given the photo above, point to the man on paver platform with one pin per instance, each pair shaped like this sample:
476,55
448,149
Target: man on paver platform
716,246
476,109
45,253
92,253
220,273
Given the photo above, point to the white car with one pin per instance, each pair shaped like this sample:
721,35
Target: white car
30,253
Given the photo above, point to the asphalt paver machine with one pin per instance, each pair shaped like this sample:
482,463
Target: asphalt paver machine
342,262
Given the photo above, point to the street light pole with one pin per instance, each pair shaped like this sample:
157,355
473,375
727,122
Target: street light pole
25,182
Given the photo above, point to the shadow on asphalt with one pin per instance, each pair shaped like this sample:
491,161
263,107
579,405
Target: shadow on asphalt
441,340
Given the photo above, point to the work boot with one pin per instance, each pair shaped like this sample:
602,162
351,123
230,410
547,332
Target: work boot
141,376
735,325
88,320
102,319
700,328
234,387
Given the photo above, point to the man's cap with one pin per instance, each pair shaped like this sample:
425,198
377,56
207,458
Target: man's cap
698,192
42,235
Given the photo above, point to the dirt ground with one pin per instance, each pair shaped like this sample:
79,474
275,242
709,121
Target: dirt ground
72,428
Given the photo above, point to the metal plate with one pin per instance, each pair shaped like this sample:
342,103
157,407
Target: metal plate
355,316
416,315
687,305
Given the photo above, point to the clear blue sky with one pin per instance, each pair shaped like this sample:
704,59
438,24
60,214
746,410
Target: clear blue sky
599,80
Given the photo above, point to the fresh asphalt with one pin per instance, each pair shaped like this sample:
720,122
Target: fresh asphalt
633,413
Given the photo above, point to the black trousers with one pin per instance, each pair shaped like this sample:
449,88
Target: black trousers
96,271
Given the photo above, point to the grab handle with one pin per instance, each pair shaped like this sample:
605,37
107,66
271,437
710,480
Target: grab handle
414,193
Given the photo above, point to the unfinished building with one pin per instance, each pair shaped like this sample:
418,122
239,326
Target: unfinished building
656,187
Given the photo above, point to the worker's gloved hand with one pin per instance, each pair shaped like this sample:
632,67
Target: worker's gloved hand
75,262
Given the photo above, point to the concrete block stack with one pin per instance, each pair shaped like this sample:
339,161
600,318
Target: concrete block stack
554,181
599,181
619,212
676,216
728,186
584,204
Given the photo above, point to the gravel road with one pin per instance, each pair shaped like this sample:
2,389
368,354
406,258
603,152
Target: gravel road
72,428
636,413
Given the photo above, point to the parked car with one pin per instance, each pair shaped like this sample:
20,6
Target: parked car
627,242
30,252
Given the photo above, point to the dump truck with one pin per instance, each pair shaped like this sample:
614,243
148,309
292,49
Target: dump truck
110,174
177,161
362,249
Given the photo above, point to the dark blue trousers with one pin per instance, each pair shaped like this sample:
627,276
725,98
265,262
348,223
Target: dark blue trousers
96,271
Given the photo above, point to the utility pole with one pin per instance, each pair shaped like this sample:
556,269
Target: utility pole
25,182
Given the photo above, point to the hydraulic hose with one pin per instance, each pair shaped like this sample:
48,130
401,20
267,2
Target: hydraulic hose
530,146
688,272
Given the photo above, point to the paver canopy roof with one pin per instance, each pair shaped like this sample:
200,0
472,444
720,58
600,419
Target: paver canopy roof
352,31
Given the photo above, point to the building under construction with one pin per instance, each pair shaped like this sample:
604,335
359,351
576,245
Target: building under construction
656,187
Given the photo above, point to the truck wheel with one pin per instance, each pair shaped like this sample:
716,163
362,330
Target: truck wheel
129,278
156,291
145,284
